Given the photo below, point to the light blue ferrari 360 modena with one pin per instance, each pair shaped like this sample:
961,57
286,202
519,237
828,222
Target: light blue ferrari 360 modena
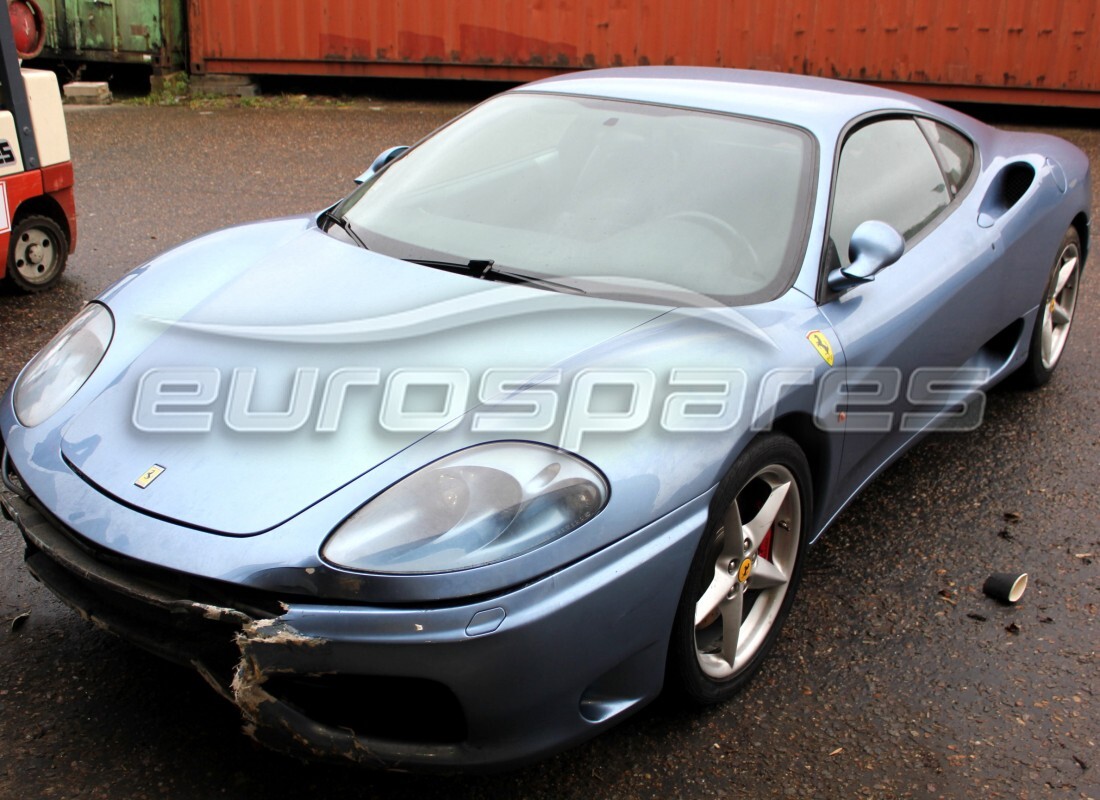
541,418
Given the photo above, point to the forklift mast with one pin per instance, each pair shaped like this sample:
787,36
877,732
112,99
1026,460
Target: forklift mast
13,94
37,207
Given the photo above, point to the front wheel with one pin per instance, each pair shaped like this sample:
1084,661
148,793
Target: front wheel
36,253
1052,327
746,569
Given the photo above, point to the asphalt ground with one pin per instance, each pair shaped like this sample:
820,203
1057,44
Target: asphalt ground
895,676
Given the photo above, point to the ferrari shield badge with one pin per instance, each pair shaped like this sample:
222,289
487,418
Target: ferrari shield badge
149,476
822,345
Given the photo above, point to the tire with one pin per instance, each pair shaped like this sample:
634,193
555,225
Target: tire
769,485
1052,325
36,253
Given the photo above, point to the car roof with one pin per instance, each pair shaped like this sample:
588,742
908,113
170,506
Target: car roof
822,105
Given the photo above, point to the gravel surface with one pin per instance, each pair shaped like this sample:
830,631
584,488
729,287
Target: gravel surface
895,677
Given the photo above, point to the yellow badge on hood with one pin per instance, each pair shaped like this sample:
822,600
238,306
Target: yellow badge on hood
149,476
822,345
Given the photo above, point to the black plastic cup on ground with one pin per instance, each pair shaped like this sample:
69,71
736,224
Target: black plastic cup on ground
1008,587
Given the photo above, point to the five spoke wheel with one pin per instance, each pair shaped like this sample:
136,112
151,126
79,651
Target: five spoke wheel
746,570
752,570
1060,303
1052,327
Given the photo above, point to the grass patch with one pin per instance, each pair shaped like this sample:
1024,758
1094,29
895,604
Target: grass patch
175,89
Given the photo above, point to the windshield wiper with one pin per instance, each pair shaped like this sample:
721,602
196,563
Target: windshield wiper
485,268
518,277
343,224
475,267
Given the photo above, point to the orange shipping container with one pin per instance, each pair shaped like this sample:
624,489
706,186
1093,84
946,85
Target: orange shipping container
1018,51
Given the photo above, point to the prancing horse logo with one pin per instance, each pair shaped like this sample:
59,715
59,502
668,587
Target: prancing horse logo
822,345
149,476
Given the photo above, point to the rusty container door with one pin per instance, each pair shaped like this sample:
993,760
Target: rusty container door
142,31
487,39
1024,51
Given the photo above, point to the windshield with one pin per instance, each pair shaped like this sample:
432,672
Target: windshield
602,195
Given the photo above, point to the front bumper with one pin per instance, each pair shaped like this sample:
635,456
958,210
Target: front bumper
486,684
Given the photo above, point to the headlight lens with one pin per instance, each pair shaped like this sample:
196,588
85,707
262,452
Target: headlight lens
61,368
475,507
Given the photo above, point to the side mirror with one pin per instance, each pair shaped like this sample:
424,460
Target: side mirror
875,246
384,158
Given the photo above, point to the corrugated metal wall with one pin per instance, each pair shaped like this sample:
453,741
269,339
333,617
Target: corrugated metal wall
1037,51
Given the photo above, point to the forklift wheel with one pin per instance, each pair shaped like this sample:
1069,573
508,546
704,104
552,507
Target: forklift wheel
36,254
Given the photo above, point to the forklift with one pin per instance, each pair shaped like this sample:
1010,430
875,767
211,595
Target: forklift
37,210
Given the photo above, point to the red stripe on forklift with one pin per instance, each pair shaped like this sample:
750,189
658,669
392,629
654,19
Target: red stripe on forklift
57,177
22,186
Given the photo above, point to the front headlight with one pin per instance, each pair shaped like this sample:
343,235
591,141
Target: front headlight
61,367
475,507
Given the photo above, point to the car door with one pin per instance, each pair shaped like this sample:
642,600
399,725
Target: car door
929,311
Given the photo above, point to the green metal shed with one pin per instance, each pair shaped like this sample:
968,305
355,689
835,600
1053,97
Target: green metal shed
119,31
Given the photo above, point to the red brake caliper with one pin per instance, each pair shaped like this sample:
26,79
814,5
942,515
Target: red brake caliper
765,549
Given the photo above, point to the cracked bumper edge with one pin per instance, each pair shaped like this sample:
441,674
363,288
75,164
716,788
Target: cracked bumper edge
525,689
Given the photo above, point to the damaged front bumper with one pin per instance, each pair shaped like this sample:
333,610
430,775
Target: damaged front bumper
478,685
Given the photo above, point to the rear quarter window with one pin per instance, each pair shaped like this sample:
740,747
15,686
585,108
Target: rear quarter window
954,151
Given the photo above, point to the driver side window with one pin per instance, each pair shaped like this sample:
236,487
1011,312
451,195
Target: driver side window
887,172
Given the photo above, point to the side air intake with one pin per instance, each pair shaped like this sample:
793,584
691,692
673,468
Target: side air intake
1011,184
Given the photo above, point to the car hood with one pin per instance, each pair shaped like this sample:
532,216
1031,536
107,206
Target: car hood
231,352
